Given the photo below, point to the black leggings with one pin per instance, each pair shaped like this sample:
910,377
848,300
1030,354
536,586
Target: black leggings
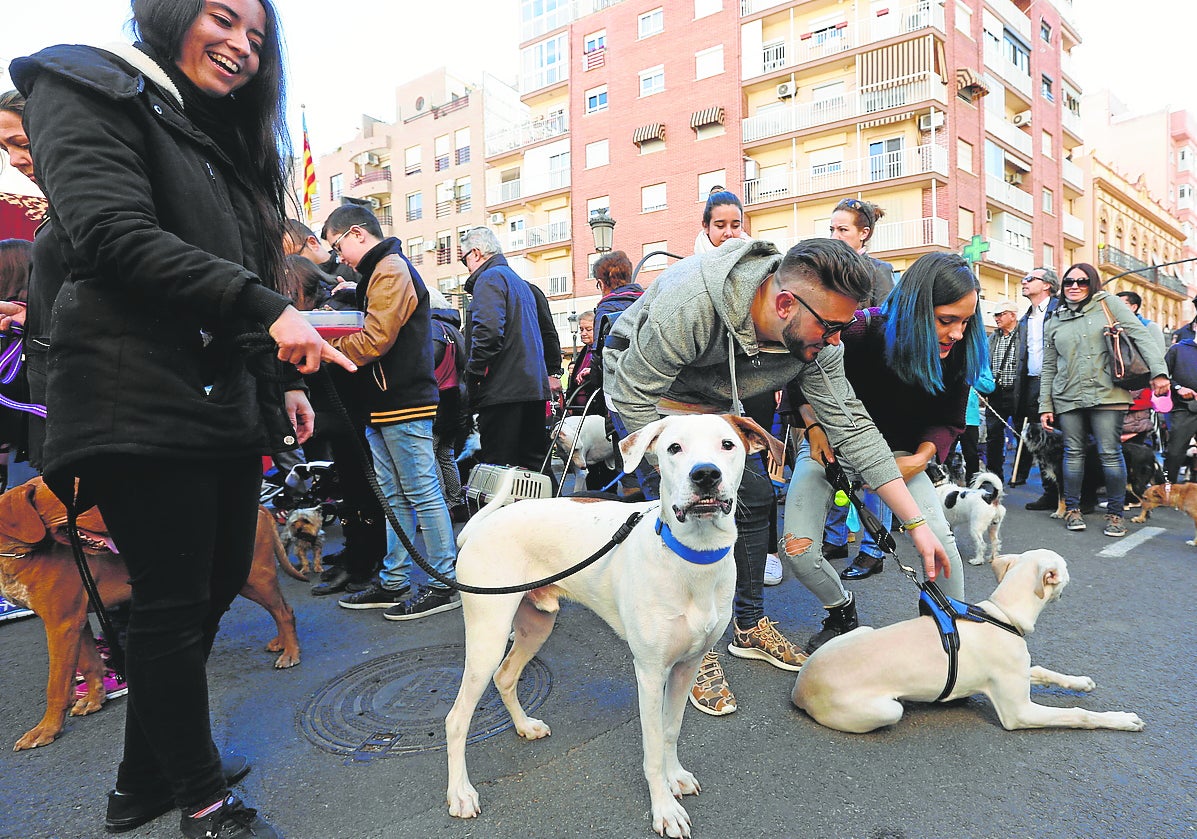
185,529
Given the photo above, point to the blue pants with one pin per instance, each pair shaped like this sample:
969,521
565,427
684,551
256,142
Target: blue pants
1106,427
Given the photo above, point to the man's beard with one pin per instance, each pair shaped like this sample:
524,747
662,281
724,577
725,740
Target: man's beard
799,348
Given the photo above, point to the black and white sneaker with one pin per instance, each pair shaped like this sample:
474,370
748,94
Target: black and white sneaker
374,597
228,818
427,602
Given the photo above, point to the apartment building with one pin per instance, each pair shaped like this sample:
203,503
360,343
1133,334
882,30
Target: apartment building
1133,232
958,118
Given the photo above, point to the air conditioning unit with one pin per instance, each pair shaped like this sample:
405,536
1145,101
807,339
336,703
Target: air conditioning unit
752,169
786,90
374,203
929,121
497,218
1014,178
1022,118
429,247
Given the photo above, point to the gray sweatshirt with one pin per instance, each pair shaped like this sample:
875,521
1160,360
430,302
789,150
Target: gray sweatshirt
678,337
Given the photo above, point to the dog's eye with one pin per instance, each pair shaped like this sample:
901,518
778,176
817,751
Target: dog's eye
674,448
728,445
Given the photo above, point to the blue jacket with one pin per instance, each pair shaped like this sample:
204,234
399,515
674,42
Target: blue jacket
506,353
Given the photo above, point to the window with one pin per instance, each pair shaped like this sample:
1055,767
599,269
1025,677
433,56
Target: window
1046,143
702,8
597,154
709,62
545,63
652,80
652,198
411,160
886,159
964,17
1048,202
652,146
596,99
444,247
657,262
826,162
1016,52
1185,192
1184,158
336,186
1049,256
441,151
964,155
650,23
1045,32
415,250
995,159
594,41
705,132
463,195
415,206
965,219
598,206
1045,88
773,55
709,180
461,146
558,285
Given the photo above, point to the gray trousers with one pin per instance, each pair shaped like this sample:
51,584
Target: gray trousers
807,502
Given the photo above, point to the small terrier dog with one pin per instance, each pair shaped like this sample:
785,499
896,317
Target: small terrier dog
303,537
977,509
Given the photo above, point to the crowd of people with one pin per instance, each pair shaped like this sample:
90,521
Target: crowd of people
162,312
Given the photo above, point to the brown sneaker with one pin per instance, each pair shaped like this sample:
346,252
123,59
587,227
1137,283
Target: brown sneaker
765,642
710,693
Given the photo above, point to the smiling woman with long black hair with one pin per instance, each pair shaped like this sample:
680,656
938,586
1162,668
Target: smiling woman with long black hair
162,168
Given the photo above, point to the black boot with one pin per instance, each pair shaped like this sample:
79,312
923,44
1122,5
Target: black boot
840,619
1047,501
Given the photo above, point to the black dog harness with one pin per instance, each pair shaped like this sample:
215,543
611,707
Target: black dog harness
945,611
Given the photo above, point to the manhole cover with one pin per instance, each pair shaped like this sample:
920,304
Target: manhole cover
397,704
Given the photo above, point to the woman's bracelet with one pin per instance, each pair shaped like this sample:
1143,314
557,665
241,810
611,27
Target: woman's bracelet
908,526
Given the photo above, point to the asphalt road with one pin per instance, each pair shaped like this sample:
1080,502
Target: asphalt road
766,771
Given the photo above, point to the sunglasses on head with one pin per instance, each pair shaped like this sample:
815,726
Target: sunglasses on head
1083,282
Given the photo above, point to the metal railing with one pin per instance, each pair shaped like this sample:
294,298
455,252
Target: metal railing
1009,133
525,134
848,174
1009,255
997,61
371,177
1073,174
1008,194
524,187
1073,226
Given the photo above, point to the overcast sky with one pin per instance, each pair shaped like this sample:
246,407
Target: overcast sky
346,56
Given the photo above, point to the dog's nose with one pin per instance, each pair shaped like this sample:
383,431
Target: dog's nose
706,475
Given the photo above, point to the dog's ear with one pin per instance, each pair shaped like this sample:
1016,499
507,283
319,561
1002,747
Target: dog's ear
19,519
635,445
757,439
1049,579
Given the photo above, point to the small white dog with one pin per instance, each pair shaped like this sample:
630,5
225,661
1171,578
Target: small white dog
977,509
592,444
666,590
856,682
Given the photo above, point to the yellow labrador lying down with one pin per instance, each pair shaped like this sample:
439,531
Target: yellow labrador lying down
856,682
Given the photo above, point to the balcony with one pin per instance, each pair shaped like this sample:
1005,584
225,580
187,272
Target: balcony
525,187
1071,122
1010,256
547,22
381,176
1009,133
1074,176
526,134
461,155
1067,13
1015,18
1073,227
858,103
751,7
1121,261
538,237
1008,194
915,233
849,175
384,216
1009,72
543,77
858,32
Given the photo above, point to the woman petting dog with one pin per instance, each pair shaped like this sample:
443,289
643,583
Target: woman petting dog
1078,391
911,363
172,256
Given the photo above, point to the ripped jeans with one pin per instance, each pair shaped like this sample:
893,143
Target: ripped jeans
807,503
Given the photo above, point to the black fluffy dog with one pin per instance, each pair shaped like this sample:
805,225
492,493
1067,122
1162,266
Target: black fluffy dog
1047,447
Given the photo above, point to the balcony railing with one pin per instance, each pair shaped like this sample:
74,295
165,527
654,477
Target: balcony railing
538,237
1008,194
461,155
1009,72
1120,259
384,216
526,134
382,175
464,203
915,233
1067,13
847,175
412,169
858,103
858,32
1073,175
751,7
594,59
444,255
1014,17
524,187
544,77
443,208
415,214
1010,256
441,163
1071,121
1073,226
1009,133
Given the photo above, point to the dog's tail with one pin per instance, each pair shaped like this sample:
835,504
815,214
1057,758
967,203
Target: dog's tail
502,498
266,523
990,484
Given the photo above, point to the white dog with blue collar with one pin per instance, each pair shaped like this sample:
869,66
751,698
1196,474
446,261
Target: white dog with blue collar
667,590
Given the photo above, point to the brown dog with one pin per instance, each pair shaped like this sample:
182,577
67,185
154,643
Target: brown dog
38,571
303,536
1181,497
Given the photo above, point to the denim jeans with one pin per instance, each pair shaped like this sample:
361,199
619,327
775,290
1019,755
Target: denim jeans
646,474
835,529
1106,427
406,469
754,501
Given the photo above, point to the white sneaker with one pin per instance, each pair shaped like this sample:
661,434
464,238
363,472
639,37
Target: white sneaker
773,570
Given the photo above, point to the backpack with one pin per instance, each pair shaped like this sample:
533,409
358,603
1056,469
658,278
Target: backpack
624,297
448,370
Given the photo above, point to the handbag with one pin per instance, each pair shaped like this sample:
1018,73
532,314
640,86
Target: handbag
1127,367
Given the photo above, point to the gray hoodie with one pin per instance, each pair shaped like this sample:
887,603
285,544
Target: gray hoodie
678,339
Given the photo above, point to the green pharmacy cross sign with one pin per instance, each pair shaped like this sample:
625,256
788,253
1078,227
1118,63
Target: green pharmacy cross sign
973,250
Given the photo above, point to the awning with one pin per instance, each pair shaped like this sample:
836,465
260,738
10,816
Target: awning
972,81
707,116
652,131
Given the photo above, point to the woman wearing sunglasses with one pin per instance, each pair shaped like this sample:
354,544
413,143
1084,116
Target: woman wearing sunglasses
1078,394
911,362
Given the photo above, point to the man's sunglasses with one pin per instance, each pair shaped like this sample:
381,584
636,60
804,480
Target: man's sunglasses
830,328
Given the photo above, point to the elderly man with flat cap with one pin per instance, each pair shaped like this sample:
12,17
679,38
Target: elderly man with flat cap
1003,402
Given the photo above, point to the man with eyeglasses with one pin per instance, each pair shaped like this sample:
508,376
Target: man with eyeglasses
780,320
1039,286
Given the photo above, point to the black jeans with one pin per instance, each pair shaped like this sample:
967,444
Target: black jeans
1028,410
754,504
183,580
1184,426
362,521
1002,404
514,434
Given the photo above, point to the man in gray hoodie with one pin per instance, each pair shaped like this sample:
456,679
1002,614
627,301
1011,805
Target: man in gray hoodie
741,321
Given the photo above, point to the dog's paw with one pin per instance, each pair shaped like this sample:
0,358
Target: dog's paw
976,561
1139,519
1124,721
682,783
1055,516
463,803
286,660
671,819
88,704
1191,542
532,729
38,736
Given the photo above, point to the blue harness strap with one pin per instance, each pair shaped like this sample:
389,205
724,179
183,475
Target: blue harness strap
689,554
945,611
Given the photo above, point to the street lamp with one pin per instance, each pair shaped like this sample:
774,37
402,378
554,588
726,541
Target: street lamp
603,228
573,330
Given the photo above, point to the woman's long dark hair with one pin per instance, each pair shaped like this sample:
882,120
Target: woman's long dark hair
16,260
1094,282
261,107
911,345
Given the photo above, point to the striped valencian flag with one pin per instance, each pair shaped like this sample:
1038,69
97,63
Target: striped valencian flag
309,173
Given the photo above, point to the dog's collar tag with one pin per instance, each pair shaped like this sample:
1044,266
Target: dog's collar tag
689,554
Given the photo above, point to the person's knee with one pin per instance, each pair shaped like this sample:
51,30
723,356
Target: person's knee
799,550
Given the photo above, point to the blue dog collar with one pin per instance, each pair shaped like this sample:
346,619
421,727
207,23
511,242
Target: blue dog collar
689,554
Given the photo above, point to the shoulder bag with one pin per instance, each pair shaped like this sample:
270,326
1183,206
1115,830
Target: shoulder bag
1127,367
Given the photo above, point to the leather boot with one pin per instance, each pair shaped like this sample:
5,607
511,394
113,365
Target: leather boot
863,566
840,619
